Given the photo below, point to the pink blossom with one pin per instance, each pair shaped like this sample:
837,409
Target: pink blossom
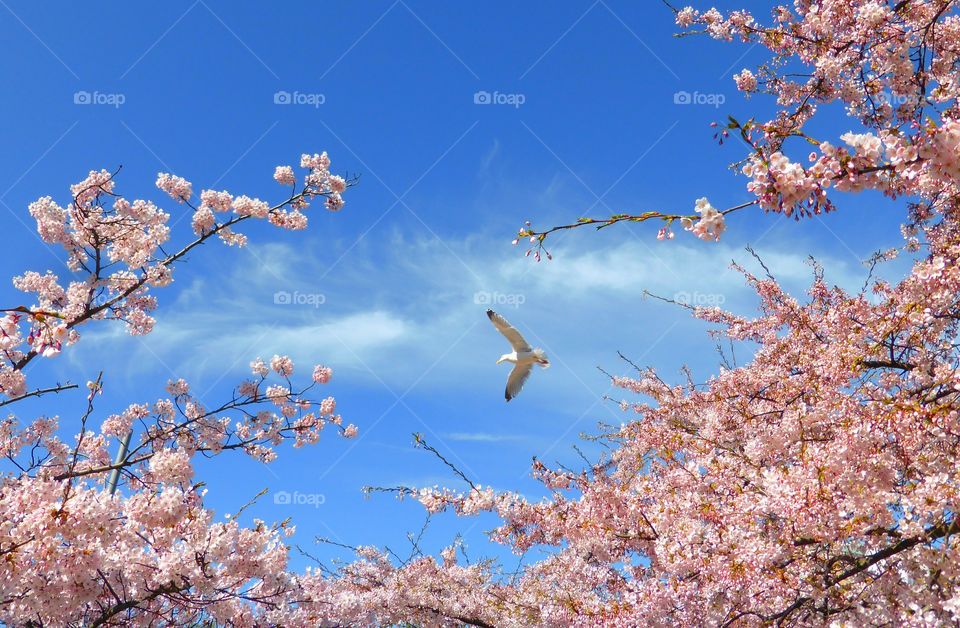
246,206
178,188
315,162
171,466
337,184
686,16
258,367
216,201
711,224
203,220
12,383
281,365
178,387
328,406
449,555
278,394
284,175
322,374
334,202
746,81
48,340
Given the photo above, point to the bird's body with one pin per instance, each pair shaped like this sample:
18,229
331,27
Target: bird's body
536,356
523,356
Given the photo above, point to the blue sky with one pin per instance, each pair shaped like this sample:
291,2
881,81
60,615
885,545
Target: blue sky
404,272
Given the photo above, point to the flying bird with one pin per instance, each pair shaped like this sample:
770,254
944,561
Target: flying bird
523,356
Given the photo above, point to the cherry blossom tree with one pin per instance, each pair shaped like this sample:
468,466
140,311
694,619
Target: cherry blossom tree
820,482
72,550
816,484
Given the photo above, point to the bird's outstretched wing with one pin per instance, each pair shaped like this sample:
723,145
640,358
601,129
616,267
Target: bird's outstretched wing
510,332
518,377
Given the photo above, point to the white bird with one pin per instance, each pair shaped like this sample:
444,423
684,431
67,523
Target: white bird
523,356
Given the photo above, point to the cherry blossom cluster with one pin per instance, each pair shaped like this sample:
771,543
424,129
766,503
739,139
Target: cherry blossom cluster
186,563
891,65
709,226
87,538
317,182
116,247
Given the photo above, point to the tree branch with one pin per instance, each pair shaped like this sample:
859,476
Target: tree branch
38,392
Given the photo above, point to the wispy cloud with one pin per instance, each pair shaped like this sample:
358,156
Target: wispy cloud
390,313
489,157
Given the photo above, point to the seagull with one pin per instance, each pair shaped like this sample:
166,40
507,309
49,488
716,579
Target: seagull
523,357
